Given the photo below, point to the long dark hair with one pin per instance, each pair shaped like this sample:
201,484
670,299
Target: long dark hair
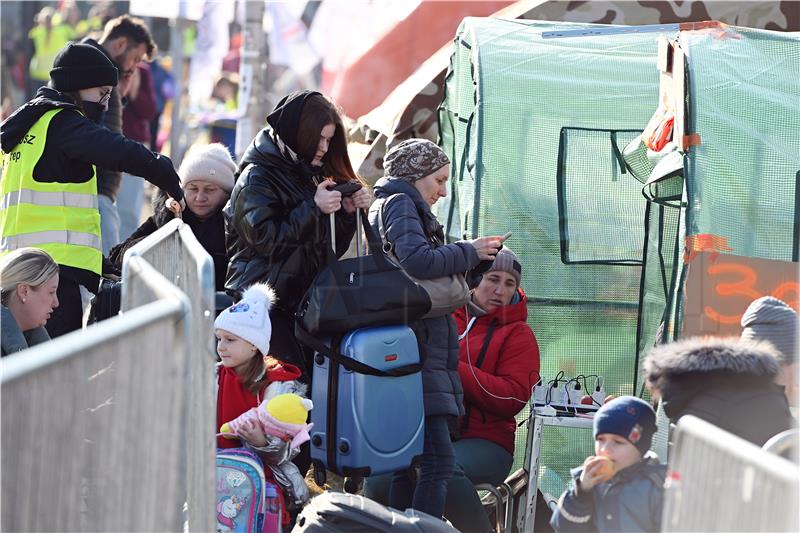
253,376
318,112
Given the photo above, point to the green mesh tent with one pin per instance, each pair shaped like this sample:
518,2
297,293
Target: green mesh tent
540,125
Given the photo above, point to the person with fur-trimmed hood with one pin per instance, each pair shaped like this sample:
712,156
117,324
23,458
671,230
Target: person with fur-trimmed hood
727,382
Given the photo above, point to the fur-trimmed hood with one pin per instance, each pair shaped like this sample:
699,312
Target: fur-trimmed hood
728,382
731,357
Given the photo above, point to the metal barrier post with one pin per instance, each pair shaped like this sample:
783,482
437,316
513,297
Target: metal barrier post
720,482
91,436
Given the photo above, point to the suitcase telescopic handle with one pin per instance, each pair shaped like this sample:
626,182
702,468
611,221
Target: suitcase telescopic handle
359,229
333,233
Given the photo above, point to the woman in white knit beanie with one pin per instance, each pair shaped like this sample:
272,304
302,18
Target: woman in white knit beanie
207,178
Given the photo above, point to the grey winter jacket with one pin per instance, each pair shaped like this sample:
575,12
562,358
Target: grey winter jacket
418,239
630,501
723,381
13,339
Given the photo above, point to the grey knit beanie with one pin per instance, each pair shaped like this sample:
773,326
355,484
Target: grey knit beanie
506,261
413,159
772,320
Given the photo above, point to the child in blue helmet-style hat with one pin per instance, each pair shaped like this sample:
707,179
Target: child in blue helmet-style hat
621,487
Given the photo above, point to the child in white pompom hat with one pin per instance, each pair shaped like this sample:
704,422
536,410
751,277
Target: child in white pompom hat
247,375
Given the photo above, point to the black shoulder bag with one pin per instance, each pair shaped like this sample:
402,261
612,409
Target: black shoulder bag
368,290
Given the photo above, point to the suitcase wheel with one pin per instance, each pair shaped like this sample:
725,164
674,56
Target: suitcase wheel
352,484
320,476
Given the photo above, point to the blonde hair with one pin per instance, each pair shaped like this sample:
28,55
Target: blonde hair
26,265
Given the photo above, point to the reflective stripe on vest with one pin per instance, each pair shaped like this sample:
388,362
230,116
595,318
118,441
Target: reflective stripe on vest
25,240
60,218
52,199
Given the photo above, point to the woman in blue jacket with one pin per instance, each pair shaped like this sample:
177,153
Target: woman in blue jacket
416,173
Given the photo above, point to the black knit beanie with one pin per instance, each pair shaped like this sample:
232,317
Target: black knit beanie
82,66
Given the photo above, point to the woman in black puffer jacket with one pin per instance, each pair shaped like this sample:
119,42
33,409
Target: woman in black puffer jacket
277,224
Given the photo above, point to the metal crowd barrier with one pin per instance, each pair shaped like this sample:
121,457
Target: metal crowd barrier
174,251
720,482
92,422
112,428
661,443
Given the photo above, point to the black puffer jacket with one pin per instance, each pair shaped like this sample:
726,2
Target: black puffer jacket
210,233
274,231
724,381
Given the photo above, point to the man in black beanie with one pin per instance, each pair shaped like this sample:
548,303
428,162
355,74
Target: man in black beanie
51,147
126,41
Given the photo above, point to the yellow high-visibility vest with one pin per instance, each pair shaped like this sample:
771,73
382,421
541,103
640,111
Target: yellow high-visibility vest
47,46
60,218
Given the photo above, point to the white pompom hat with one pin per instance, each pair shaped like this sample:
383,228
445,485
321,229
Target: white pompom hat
210,162
249,317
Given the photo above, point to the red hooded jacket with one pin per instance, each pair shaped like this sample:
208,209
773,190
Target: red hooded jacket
233,399
505,363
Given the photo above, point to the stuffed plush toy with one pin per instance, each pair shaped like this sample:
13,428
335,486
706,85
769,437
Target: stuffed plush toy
283,416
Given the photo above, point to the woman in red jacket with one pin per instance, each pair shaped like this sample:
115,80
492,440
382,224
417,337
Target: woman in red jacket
498,362
498,366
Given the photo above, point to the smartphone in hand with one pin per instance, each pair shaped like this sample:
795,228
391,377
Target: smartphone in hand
347,188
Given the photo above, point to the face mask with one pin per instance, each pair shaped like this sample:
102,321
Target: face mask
93,110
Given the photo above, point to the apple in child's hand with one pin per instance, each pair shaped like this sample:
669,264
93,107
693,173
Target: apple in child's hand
586,400
602,467
606,469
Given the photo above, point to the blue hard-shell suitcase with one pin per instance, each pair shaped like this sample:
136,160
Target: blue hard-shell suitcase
363,424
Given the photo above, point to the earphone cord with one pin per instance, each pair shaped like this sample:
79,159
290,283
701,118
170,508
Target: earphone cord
465,336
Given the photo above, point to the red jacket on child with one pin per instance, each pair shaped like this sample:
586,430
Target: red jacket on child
499,355
233,399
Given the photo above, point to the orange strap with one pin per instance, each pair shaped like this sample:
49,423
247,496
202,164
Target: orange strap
691,140
714,28
703,25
